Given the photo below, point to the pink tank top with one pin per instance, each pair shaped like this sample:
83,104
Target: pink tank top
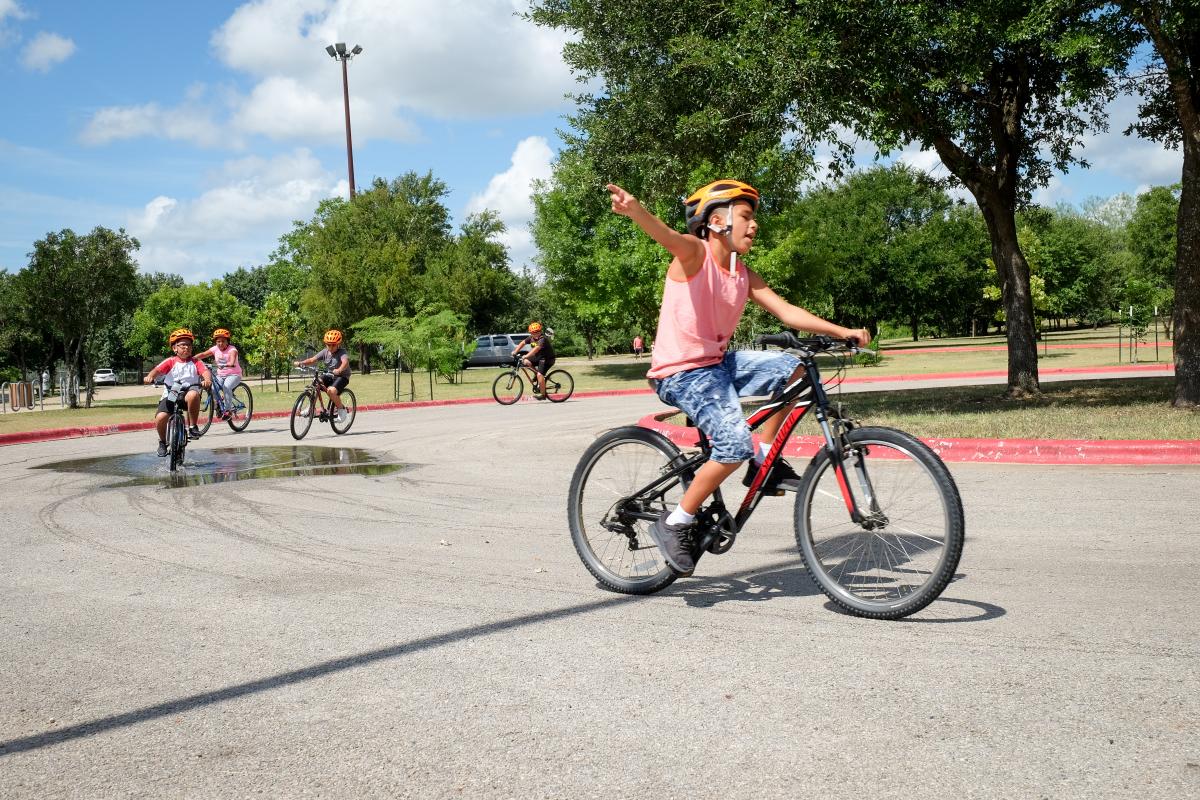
698,317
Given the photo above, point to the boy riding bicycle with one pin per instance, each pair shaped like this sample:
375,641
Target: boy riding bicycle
540,358
229,367
337,370
691,368
185,370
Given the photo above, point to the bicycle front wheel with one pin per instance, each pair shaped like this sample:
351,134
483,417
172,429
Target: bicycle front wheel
559,385
351,405
302,415
176,440
606,515
208,405
507,388
906,549
243,407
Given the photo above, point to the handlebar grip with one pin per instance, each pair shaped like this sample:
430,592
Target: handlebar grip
782,339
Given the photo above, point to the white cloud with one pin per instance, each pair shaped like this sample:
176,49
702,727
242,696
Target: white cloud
508,194
250,203
459,59
45,51
189,122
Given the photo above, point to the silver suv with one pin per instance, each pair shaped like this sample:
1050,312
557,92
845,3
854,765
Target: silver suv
494,349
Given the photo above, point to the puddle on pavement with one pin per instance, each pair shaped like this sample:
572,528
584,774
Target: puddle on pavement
232,464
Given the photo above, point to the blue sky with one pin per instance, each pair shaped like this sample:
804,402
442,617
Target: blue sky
205,128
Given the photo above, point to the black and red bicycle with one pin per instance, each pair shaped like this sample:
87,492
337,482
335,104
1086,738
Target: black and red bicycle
878,519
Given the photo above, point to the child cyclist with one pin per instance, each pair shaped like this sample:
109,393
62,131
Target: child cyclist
184,369
229,367
337,370
540,357
691,367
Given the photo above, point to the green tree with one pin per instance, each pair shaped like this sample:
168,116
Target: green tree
274,336
470,275
1001,90
363,256
78,285
1171,114
200,308
1151,236
249,286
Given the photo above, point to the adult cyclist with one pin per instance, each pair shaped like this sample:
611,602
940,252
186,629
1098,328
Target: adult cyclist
540,357
336,376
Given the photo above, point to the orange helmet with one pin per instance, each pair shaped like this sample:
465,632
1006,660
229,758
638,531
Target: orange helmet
534,327
708,198
333,337
219,332
180,333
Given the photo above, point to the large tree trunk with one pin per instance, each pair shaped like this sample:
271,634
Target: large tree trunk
1013,272
1187,280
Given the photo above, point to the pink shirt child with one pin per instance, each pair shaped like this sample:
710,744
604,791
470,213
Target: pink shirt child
698,317
227,360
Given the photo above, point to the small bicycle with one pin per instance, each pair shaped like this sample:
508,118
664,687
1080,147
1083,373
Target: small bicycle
177,434
212,403
508,386
311,402
878,519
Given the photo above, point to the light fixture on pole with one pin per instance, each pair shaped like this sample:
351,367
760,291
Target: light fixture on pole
338,52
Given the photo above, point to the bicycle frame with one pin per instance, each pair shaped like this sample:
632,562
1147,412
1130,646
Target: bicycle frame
715,513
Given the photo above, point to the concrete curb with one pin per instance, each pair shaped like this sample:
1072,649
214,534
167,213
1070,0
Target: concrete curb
50,434
1000,451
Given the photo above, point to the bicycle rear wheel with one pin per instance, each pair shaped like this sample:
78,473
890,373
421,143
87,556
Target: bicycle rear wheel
208,405
302,415
559,385
243,407
508,388
351,404
612,541
904,553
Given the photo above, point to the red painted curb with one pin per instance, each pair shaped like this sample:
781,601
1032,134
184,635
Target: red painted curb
997,451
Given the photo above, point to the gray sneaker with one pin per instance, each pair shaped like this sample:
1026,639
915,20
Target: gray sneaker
675,544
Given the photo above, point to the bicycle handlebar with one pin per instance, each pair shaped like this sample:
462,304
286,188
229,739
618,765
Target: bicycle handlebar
813,344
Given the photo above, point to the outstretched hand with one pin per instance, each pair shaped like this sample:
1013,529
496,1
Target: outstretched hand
623,202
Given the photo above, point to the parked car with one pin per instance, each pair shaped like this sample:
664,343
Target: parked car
102,377
494,349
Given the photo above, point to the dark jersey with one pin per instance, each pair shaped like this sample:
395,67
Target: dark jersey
547,351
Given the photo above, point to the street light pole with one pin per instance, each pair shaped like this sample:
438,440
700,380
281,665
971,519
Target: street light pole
339,53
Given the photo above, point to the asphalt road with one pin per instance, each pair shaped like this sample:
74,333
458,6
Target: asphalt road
432,634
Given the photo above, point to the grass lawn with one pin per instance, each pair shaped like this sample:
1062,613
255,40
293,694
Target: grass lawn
1107,409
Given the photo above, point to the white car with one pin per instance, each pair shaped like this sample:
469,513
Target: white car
103,377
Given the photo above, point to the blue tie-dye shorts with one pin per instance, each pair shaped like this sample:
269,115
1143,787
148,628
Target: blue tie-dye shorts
709,395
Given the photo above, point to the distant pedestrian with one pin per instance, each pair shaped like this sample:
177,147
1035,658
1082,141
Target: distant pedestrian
638,346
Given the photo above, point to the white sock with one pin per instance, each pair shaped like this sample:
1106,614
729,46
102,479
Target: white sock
763,449
680,517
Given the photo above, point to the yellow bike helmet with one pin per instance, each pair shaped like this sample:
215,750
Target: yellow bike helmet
219,332
333,337
709,198
534,327
181,333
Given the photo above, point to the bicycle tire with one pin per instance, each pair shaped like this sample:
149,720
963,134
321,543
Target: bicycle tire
243,408
910,556
617,464
302,415
504,394
559,385
175,428
351,404
207,408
